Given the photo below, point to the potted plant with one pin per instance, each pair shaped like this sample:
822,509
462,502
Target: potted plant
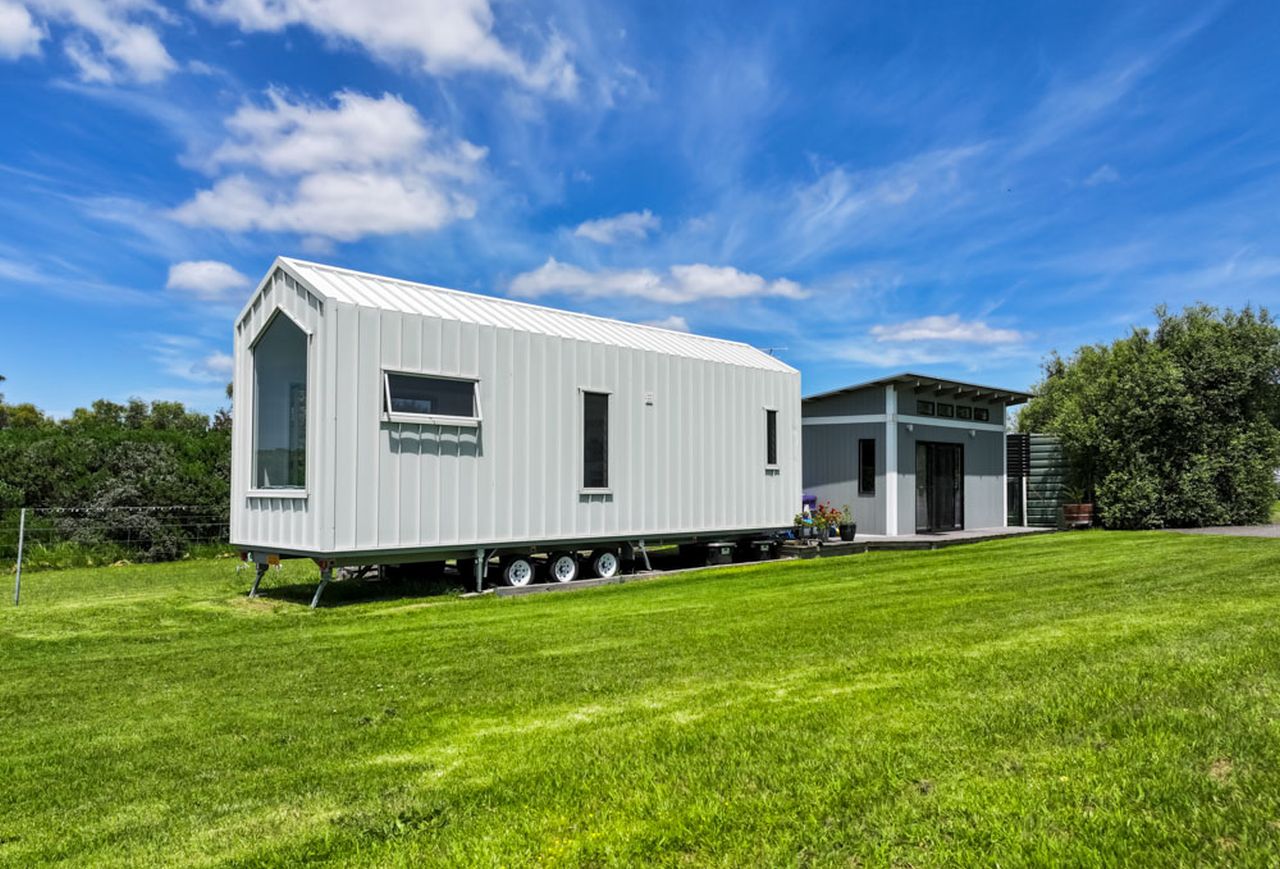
803,525
820,522
848,528
1077,511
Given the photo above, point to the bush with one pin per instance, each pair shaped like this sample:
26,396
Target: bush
1176,427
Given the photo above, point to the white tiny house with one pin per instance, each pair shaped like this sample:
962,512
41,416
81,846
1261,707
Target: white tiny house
379,421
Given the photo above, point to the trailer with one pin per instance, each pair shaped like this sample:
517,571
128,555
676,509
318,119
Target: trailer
384,422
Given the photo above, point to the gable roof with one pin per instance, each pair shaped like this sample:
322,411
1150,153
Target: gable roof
926,383
392,294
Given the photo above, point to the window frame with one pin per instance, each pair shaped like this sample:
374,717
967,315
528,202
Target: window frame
583,488
924,407
982,414
866,488
252,489
945,411
964,411
388,415
771,416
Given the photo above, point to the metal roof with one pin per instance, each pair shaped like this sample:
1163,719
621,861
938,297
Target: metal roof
391,294
925,382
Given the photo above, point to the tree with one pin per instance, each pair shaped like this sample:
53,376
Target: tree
1176,427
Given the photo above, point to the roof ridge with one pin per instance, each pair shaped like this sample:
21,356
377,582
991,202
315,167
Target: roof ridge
503,300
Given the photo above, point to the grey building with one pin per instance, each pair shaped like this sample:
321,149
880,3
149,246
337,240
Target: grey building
910,453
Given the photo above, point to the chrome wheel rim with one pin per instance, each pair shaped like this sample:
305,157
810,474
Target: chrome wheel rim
563,568
606,565
519,572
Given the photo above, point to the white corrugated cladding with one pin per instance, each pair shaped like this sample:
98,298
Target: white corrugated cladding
687,424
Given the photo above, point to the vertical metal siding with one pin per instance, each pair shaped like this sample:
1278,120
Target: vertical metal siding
692,462
283,522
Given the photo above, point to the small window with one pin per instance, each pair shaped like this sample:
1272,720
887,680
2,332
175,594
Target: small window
420,395
595,440
963,412
981,414
866,466
946,410
924,408
771,438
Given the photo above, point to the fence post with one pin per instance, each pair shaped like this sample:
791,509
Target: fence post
22,530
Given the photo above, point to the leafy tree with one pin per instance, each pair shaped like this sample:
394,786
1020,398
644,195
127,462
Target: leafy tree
1176,427
109,459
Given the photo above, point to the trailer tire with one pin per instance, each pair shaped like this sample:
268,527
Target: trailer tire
605,563
517,572
563,566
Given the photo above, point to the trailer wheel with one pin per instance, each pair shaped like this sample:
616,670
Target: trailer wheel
563,567
517,572
605,564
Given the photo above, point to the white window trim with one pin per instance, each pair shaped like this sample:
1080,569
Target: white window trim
284,494
310,433
430,418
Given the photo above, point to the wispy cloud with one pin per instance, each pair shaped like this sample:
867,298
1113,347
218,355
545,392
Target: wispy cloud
681,284
108,41
675,322
949,328
1104,174
442,37
610,230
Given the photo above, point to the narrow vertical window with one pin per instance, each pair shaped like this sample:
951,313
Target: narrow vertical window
595,440
280,406
867,466
771,437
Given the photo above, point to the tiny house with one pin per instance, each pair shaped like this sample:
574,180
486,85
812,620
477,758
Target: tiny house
910,453
380,421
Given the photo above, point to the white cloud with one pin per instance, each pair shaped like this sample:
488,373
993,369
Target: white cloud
209,280
363,166
108,40
216,364
182,357
19,35
441,36
681,284
949,328
675,323
1104,174
608,230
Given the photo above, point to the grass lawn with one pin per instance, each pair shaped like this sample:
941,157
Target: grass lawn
1085,699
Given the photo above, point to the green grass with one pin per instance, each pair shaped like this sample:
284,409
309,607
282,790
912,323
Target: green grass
1086,699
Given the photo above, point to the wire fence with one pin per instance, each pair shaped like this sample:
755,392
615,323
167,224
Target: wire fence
43,538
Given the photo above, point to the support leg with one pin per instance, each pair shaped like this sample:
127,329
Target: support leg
481,564
326,574
645,554
260,570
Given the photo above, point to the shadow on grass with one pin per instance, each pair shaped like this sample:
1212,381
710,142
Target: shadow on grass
347,592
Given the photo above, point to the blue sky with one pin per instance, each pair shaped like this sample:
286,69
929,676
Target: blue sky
950,187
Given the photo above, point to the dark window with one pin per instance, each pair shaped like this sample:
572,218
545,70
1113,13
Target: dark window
595,440
963,412
946,410
771,437
924,408
430,396
981,414
866,466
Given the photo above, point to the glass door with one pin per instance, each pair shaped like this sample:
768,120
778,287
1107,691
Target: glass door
939,487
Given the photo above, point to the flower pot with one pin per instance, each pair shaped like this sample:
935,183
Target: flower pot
1077,515
848,531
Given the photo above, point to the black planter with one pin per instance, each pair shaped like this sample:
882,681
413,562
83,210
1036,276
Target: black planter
847,532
